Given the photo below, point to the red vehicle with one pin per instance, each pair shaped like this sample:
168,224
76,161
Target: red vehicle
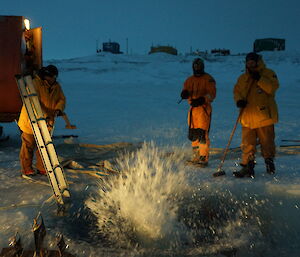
20,53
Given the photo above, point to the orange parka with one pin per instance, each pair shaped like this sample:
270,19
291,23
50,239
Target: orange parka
200,86
261,109
51,99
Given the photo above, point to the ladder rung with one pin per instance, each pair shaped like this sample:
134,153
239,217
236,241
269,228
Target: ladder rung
49,143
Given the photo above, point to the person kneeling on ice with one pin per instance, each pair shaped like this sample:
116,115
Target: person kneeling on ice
200,91
254,94
52,101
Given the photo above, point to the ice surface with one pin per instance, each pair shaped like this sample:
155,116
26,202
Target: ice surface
133,98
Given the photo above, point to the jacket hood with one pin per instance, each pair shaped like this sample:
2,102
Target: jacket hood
260,66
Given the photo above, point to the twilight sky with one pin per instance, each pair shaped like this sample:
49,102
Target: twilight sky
72,27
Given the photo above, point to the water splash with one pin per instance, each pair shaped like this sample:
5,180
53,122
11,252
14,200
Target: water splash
140,202
152,205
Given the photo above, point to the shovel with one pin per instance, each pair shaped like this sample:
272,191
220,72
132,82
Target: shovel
220,171
68,124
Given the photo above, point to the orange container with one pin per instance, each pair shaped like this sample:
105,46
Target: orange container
20,52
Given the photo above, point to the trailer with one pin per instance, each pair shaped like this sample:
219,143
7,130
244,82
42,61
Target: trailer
112,47
269,44
219,51
20,53
163,49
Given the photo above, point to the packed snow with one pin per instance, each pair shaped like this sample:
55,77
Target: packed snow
159,206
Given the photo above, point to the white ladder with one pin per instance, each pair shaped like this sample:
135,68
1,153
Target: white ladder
43,138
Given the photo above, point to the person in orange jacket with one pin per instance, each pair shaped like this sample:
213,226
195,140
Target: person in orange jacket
254,94
53,102
200,90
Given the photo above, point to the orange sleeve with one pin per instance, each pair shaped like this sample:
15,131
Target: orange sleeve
211,88
187,85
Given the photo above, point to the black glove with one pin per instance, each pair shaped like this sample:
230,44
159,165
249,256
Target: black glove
58,113
198,102
241,103
185,94
255,75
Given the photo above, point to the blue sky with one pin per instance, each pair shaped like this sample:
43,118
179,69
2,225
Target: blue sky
71,27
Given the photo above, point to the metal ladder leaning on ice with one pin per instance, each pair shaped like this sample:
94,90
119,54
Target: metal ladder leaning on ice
43,139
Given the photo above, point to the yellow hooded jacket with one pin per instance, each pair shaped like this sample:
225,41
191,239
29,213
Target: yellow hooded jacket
51,99
261,109
205,86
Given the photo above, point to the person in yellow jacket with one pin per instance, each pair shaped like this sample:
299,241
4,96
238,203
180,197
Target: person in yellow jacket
200,91
52,101
254,94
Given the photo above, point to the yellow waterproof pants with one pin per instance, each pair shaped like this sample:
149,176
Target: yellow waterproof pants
264,136
27,152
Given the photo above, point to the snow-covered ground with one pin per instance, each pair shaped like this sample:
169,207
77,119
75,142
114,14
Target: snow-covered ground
161,207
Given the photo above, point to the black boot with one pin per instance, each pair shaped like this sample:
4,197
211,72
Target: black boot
202,161
246,170
270,167
199,161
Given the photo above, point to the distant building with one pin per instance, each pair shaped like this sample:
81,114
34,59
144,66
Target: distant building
269,44
220,51
163,49
112,47
202,54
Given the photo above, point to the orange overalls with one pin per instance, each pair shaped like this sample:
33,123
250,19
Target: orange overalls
200,117
51,98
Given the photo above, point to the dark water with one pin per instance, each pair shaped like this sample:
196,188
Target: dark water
158,207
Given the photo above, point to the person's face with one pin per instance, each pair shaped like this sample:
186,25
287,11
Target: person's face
50,80
198,67
251,65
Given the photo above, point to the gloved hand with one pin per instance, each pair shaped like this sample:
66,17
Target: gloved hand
198,102
185,94
255,75
49,122
58,113
241,103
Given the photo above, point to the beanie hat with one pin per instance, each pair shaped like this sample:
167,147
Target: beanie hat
198,72
49,71
198,61
252,56
52,70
